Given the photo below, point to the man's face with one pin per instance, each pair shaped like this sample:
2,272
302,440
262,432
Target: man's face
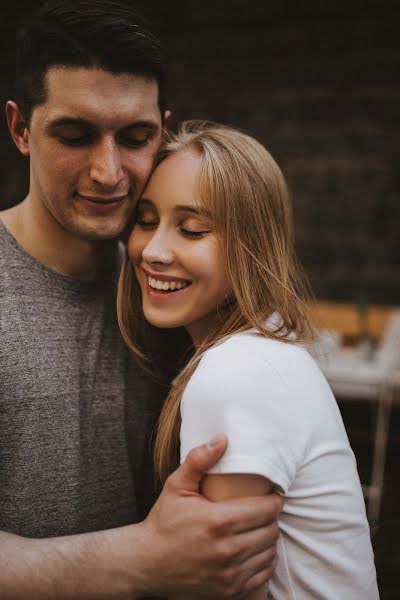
91,146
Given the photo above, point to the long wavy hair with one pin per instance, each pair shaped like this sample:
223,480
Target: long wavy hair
244,190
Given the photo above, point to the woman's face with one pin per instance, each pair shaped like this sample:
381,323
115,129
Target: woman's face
175,251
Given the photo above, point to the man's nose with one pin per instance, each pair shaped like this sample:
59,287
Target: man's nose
106,164
159,249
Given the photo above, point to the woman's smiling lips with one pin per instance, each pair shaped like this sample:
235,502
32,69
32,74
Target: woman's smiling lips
161,286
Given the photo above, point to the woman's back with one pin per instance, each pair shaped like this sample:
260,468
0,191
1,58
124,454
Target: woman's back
283,423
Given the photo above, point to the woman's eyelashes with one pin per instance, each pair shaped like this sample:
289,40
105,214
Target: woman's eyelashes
193,233
146,217
146,223
194,227
190,230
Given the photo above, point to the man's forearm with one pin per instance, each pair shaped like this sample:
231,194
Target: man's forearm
187,547
106,564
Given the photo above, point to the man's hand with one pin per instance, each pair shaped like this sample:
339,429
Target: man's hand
201,549
188,547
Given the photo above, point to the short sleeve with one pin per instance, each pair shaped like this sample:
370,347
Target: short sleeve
236,392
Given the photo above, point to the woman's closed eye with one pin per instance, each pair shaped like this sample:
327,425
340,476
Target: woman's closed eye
194,227
146,217
146,223
193,233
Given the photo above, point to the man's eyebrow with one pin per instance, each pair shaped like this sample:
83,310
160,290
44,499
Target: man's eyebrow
142,125
66,121
79,122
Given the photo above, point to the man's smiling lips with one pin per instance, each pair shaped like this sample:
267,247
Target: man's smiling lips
101,199
100,203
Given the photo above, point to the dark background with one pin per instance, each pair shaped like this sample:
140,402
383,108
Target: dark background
318,83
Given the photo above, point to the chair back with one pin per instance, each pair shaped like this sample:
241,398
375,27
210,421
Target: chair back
388,350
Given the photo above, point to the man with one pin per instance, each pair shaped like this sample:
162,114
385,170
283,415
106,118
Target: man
76,414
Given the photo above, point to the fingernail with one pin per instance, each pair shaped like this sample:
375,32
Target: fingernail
216,440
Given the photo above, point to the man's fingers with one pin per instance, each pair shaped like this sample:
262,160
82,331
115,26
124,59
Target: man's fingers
258,580
254,576
188,476
260,577
251,574
257,542
264,561
245,514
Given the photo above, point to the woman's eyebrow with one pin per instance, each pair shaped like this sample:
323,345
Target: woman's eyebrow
192,209
186,208
178,208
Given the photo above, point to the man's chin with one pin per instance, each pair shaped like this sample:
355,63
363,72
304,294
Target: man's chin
102,227
101,234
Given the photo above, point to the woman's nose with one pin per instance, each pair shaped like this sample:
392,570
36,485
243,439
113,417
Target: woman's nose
159,249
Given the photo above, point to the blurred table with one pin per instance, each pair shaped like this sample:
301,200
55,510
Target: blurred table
366,370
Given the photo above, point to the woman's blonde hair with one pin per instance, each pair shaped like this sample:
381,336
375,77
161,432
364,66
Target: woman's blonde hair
244,190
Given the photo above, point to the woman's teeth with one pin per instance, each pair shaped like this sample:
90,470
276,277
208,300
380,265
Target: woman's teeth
156,284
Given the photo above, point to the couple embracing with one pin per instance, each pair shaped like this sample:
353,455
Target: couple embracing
210,382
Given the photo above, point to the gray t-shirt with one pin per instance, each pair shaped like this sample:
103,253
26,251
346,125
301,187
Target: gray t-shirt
76,414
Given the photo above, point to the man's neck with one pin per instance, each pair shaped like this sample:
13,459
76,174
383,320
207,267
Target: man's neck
59,250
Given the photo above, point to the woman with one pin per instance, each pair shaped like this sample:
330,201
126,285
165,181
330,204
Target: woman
212,252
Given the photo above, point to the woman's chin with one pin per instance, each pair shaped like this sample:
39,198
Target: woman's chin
162,323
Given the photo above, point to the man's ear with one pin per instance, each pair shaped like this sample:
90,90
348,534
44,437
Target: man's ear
167,119
18,127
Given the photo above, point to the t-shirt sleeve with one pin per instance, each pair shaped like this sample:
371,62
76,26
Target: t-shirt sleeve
242,395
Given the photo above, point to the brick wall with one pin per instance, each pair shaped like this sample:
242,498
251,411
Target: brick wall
318,83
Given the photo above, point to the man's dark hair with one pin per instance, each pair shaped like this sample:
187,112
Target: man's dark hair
105,34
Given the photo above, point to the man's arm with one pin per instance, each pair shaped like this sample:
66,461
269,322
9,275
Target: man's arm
186,546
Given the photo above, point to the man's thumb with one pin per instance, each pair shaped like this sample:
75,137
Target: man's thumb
197,463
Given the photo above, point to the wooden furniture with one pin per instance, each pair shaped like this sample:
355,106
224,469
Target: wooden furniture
344,318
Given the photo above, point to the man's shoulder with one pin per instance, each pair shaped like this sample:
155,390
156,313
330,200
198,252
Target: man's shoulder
10,265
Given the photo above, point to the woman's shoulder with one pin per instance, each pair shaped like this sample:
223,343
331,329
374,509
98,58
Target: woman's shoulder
248,370
253,350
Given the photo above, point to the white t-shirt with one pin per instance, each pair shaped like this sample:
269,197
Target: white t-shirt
282,422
